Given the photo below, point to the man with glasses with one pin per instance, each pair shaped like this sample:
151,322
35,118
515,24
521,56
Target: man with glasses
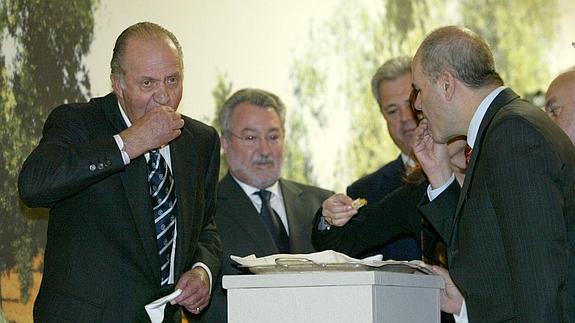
257,211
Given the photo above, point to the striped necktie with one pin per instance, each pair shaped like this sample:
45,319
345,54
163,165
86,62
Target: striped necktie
273,222
164,205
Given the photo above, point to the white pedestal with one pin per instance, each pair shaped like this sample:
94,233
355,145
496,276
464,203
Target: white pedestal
358,297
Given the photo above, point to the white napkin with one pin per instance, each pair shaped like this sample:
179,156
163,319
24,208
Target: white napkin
156,308
322,257
327,257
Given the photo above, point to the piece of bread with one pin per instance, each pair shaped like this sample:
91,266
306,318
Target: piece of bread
357,203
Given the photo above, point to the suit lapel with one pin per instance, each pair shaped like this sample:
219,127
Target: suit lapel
500,100
293,205
135,183
184,162
238,206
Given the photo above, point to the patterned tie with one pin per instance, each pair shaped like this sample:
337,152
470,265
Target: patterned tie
273,222
165,209
468,152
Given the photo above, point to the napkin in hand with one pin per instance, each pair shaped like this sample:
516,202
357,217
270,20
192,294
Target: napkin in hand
156,308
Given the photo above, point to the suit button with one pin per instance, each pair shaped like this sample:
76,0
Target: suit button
100,165
92,167
107,163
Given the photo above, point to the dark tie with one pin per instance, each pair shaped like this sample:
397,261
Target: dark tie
273,222
468,152
164,201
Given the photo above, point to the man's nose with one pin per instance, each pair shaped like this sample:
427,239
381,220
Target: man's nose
264,145
406,114
161,95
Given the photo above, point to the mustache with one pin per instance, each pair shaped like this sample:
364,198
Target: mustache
263,159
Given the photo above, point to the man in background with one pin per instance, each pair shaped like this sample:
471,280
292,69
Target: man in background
258,212
131,188
560,102
391,87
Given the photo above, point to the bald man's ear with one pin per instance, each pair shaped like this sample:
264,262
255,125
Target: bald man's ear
447,83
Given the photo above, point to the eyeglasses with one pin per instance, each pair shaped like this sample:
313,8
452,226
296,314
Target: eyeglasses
253,140
412,98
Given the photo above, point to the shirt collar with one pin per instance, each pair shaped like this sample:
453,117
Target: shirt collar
124,116
250,190
479,114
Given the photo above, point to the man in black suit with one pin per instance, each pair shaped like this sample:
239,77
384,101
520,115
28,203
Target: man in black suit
511,228
560,102
391,87
112,247
252,125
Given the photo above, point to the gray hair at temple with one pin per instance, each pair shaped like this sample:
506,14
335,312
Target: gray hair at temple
256,97
143,30
463,53
390,70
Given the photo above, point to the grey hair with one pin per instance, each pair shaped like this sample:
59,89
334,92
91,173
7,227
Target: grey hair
144,30
391,70
463,53
256,97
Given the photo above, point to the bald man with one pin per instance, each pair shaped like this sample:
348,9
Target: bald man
560,102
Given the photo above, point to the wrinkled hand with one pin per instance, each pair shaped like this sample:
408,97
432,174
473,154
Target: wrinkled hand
432,156
154,129
451,297
195,286
337,209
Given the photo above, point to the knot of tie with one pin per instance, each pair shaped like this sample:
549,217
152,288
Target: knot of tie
468,152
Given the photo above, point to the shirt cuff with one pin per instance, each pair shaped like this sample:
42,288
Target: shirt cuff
201,264
323,225
433,193
122,148
462,317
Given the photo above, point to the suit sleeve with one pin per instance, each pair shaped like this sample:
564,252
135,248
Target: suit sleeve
70,157
209,249
393,217
524,185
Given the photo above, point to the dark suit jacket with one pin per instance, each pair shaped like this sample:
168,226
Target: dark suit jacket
101,261
375,187
243,232
396,215
510,229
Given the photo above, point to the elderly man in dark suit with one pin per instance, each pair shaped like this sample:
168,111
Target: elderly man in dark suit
257,211
511,228
131,186
391,87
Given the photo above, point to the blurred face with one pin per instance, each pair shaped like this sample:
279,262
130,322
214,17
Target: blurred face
394,96
560,103
430,102
152,77
254,150
456,151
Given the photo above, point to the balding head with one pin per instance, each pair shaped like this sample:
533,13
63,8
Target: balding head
463,53
560,102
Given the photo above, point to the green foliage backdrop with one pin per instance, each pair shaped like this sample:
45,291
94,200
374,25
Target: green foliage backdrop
43,43
357,40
